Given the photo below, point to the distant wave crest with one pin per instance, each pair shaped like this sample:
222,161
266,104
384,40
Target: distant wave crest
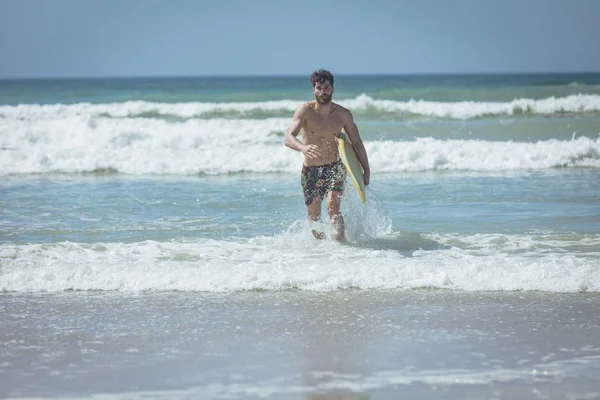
579,103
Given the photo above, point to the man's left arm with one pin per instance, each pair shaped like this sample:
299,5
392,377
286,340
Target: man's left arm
359,148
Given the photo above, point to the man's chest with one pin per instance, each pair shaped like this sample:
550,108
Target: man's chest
324,124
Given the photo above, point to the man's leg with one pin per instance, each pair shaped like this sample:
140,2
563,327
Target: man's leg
334,201
314,214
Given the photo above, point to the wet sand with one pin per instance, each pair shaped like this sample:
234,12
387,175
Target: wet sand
426,344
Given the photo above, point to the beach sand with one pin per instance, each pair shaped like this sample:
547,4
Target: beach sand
352,344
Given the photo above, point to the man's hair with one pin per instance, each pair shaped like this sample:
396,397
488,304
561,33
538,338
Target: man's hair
321,76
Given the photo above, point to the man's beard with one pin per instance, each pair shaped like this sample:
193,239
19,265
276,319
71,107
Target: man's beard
323,99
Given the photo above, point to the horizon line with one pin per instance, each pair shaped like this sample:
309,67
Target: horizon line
293,75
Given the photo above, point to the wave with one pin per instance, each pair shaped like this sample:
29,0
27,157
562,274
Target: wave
464,110
429,154
223,146
362,105
483,262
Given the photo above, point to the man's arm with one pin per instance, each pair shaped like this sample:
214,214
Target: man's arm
352,131
291,137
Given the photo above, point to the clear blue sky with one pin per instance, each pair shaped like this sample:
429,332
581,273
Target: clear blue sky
74,38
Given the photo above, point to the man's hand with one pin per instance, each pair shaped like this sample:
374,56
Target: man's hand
311,151
366,177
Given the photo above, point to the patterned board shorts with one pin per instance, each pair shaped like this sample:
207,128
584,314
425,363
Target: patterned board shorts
318,180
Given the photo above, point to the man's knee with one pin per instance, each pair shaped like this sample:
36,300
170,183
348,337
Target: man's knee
333,207
314,208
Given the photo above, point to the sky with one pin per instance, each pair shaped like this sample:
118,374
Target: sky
124,38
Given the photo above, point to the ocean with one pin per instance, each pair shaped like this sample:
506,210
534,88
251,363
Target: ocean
154,243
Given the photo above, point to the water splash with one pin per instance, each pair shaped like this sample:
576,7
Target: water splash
364,221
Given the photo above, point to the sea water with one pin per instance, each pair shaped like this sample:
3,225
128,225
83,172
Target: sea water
153,241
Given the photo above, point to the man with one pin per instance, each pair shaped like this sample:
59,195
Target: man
323,173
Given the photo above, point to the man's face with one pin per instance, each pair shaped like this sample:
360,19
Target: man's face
323,92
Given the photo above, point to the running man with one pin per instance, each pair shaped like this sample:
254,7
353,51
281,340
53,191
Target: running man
324,174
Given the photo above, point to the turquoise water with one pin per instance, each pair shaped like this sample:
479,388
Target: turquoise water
486,170
447,88
485,189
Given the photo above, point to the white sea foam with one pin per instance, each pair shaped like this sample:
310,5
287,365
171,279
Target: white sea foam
222,146
426,154
471,263
135,146
471,109
578,103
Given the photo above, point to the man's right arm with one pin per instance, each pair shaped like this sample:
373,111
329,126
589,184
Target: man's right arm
291,137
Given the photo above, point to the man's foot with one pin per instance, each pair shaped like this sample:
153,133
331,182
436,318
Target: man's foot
318,235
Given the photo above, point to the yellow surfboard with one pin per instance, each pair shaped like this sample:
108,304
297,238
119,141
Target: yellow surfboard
352,164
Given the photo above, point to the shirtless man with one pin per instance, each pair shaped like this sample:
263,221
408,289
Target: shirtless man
323,173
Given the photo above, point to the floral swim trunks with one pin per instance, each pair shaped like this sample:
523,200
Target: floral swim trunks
318,180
